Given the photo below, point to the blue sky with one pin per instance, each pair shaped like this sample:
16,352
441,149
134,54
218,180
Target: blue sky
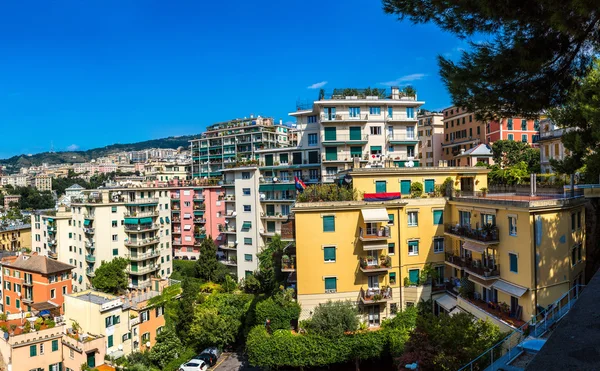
84,75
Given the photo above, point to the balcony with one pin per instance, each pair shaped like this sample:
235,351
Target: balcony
51,229
89,230
142,242
487,235
340,117
52,255
142,201
51,242
28,300
488,272
341,139
400,118
177,242
375,295
139,257
139,228
499,314
90,272
134,321
144,214
140,271
288,263
89,216
199,220
229,262
230,246
176,231
381,234
373,265
28,282
89,244
456,261
175,196
403,138
90,259
278,216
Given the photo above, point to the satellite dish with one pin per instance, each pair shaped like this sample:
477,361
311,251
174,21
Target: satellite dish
147,344
262,196
275,179
409,164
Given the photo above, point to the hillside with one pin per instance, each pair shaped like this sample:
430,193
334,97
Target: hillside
19,161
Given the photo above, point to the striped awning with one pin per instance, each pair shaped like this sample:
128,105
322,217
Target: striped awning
472,246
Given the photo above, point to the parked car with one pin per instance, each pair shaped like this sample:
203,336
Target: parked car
209,355
194,365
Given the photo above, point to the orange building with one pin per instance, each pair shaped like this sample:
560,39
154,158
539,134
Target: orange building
462,131
35,281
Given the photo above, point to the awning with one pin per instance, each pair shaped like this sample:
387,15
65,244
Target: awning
447,302
509,288
187,216
276,187
167,219
246,226
455,311
86,222
162,220
472,246
50,220
374,215
132,221
45,305
145,220
485,283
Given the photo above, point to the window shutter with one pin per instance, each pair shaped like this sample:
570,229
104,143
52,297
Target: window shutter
355,133
380,187
438,217
328,224
330,283
329,253
330,134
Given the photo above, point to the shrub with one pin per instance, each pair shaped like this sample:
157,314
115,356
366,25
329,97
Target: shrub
278,310
334,318
447,187
327,192
416,189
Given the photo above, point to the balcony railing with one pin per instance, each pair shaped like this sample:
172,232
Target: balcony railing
148,255
90,258
200,220
456,261
89,230
487,234
381,234
229,262
142,242
52,255
140,227
486,270
136,214
344,117
90,272
375,295
142,270
398,137
375,265
142,201
345,138
398,117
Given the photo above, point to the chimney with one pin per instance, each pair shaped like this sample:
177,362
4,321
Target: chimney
395,92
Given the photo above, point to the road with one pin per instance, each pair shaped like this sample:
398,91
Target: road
233,362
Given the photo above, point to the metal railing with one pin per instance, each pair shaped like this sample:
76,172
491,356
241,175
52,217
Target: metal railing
139,201
345,117
490,234
345,138
143,214
503,352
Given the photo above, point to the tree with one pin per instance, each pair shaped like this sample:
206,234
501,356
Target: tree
269,266
279,309
581,113
166,348
535,50
168,300
333,319
111,277
186,304
508,153
207,267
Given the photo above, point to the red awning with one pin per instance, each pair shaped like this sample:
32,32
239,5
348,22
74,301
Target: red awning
384,196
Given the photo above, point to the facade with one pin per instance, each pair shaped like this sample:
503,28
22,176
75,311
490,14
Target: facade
516,128
362,126
41,182
127,323
551,146
34,281
388,255
225,144
15,180
461,131
15,238
164,171
431,135
480,153
9,199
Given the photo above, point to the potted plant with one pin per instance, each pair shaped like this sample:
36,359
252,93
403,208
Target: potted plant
13,327
377,297
484,191
406,282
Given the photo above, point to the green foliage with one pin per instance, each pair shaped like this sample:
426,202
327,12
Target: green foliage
447,187
207,266
581,116
111,276
184,355
508,153
184,269
532,53
416,189
333,319
516,174
327,192
168,300
405,320
185,308
448,342
31,198
280,309
166,348
269,268
251,284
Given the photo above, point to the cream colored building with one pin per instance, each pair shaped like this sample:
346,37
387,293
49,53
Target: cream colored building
431,135
42,182
550,143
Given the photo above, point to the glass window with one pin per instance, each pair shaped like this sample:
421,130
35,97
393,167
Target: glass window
380,186
54,345
391,248
248,257
330,284
413,247
329,223
246,191
438,244
33,350
512,226
514,260
413,218
392,278
313,140
247,241
247,208
390,219
375,110
329,254
438,217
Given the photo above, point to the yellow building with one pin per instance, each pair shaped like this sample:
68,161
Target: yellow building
15,237
389,250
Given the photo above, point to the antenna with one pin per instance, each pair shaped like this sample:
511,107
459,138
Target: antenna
51,147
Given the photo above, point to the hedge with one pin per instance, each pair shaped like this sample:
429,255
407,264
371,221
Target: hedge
279,312
286,349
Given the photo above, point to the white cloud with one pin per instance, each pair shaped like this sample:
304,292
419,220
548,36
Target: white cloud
73,147
404,79
317,85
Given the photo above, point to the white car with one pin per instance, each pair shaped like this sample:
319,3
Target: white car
194,365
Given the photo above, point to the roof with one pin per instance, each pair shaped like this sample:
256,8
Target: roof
74,187
40,264
447,302
509,288
479,150
45,305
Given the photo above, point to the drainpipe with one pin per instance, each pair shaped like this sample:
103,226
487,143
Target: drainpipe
535,255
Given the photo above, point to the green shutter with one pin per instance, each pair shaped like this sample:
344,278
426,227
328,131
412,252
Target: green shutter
380,186
110,341
329,223
330,134
268,160
330,283
270,210
438,217
331,153
246,226
413,276
329,253
271,227
33,350
86,222
356,151
283,158
513,263
429,185
375,148
54,345
355,133
390,218
405,187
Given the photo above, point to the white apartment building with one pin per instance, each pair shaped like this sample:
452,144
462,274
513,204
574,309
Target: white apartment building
360,127
431,136
15,180
551,146
104,224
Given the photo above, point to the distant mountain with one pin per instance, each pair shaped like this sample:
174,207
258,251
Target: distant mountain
19,161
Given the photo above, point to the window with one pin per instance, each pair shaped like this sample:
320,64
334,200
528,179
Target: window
354,112
18,303
53,294
413,218
313,140
573,222
380,186
524,138
247,208
311,119
440,275
71,353
509,124
115,252
579,220
429,185
524,125
478,130
127,336
330,285
375,130
514,262
54,345
438,217
376,150
246,174
390,111
110,341
390,148
374,110
248,241
413,247
246,191
410,112
145,337
392,278
145,316
114,224
329,254
413,277
329,223
511,137
405,187
113,210
115,237
438,245
465,218
391,248
390,219
33,350
64,290
248,257
512,225
246,226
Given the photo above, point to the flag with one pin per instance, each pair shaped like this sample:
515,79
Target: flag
299,184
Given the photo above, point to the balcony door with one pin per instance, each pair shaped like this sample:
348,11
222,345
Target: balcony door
374,315
374,282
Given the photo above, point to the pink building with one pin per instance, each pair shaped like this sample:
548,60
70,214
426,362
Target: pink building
196,213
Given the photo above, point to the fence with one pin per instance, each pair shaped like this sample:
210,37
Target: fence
501,354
